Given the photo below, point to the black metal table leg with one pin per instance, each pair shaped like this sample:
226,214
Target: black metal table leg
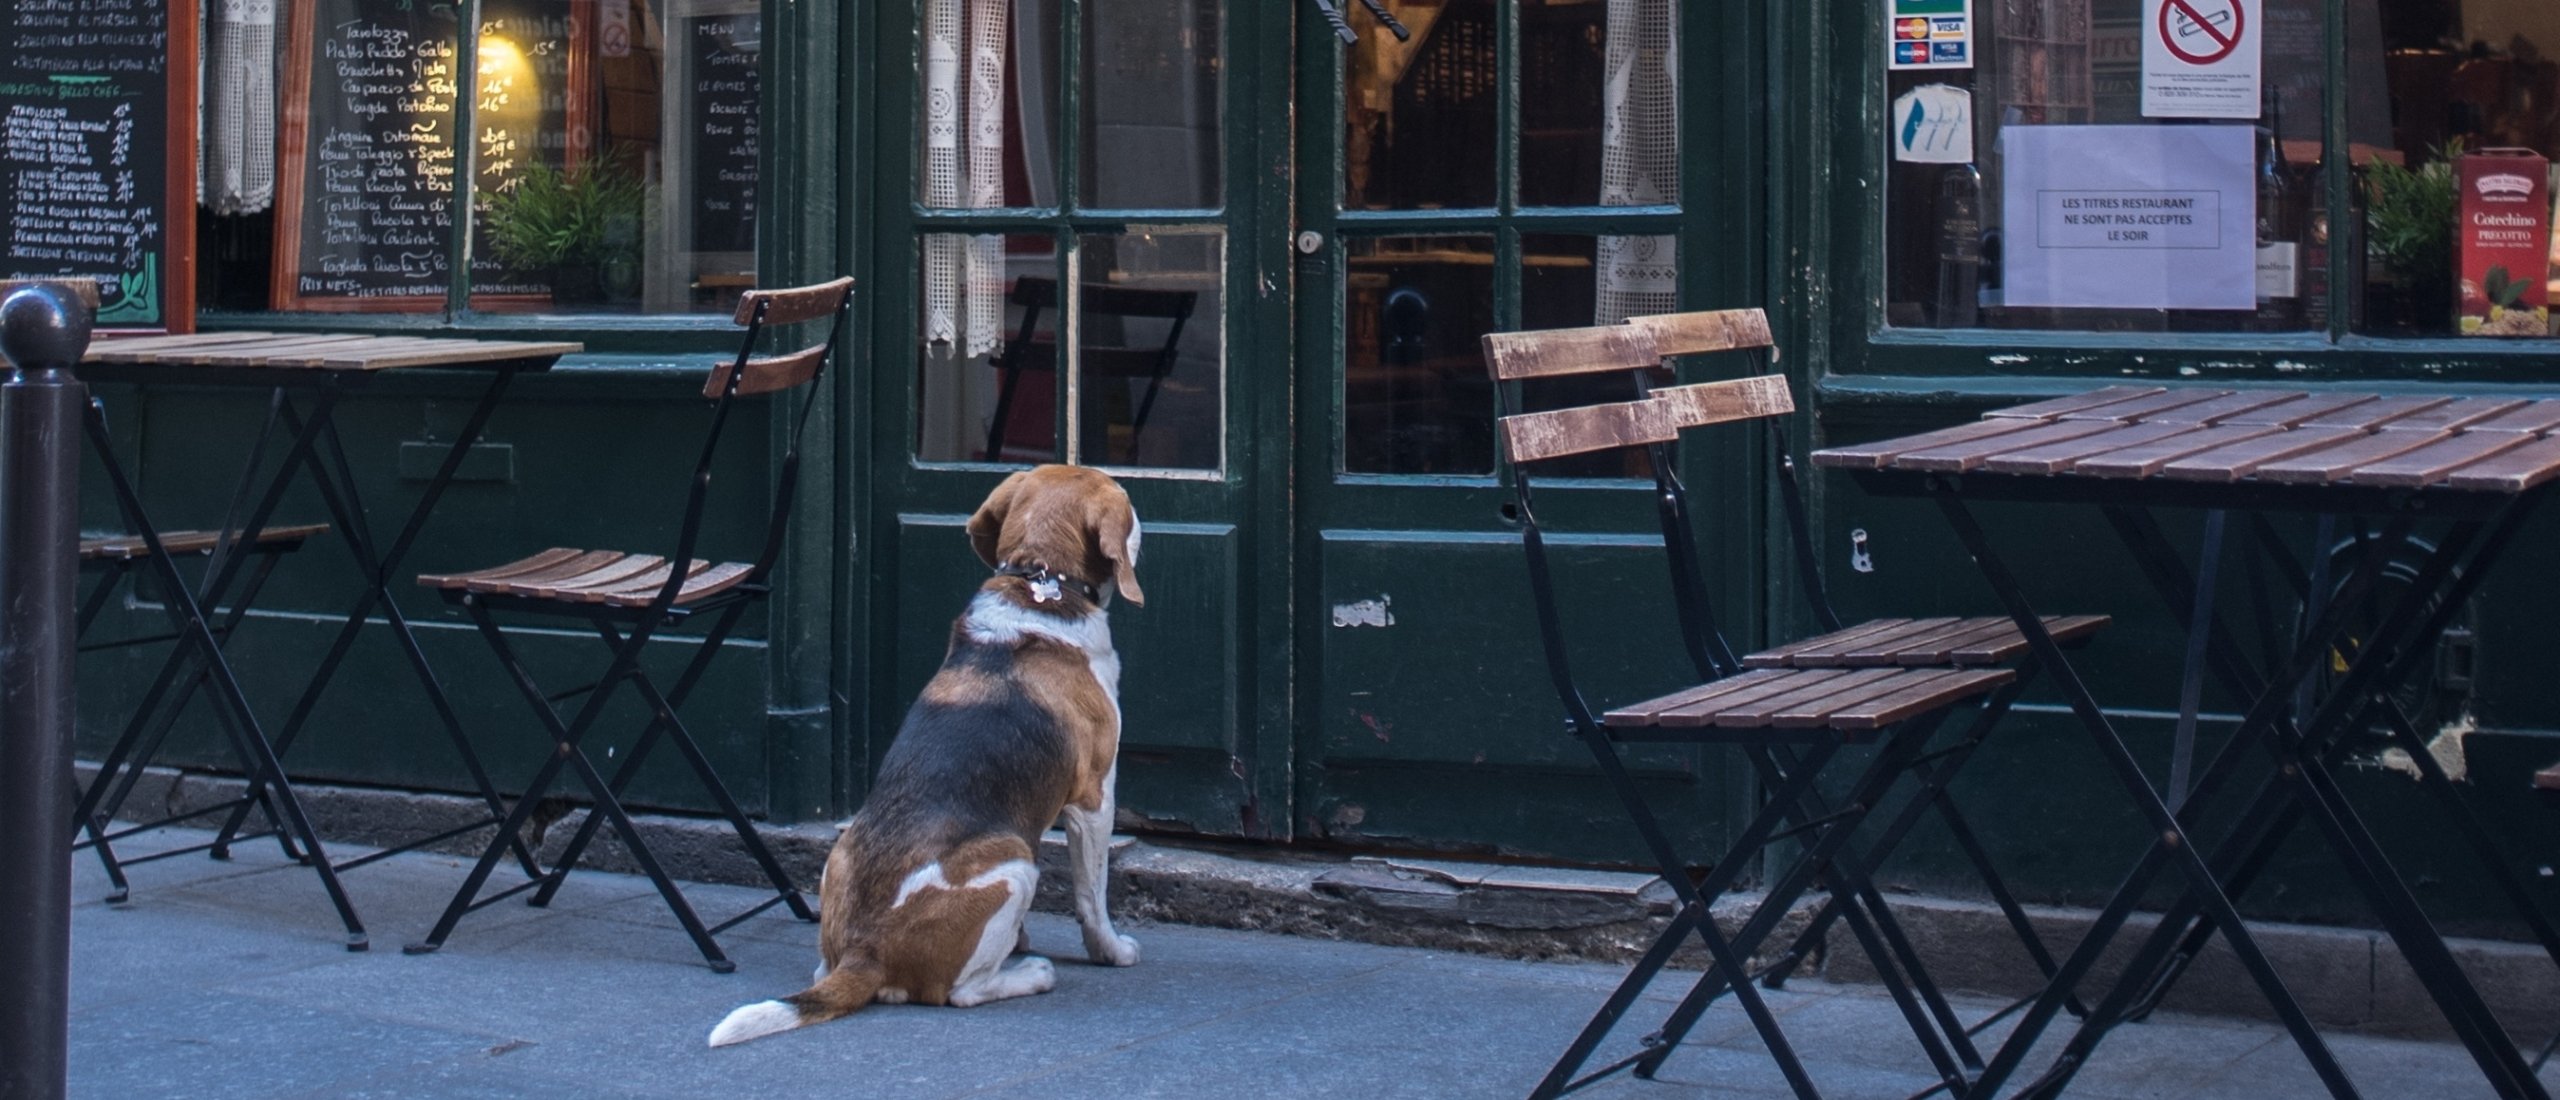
2172,845
259,760
2440,587
340,492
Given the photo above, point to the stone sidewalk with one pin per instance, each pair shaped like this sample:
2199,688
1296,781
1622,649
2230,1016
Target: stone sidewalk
228,979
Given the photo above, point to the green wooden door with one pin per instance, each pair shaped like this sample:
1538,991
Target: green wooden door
1513,164
1068,265
1244,267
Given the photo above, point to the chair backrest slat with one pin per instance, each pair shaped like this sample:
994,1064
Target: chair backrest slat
1727,401
780,372
1537,436
794,305
1703,331
1553,353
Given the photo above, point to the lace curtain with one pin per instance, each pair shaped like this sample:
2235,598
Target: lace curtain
237,165
1640,156
964,61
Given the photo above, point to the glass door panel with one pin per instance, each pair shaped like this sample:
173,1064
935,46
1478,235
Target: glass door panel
1514,164
1420,115
1150,356
1414,395
1060,206
1152,104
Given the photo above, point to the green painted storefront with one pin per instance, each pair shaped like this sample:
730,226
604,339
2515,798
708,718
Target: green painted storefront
1330,657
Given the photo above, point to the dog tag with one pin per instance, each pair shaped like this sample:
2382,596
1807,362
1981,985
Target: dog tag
1044,589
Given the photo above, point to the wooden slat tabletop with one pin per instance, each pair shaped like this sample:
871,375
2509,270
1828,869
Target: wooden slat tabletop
319,351
2267,437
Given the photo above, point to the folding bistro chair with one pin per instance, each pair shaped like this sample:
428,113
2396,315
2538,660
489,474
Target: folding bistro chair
627,599
1031,351
1891,683
1937,642
117,559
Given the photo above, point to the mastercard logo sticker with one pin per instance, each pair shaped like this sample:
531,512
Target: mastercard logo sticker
1910,29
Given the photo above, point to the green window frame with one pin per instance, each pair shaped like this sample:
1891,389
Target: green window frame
1840,50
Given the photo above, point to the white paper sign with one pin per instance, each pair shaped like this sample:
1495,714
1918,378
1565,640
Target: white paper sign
2129,217
1933,124
2202,58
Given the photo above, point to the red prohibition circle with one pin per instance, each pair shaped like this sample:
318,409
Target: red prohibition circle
2239,23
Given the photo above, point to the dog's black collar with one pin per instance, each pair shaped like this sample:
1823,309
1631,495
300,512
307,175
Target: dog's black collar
1046,582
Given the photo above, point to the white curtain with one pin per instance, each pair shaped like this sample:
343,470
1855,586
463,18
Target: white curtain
1640,156
964,58
237,171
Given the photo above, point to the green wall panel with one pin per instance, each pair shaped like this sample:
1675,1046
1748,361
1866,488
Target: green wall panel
1437,724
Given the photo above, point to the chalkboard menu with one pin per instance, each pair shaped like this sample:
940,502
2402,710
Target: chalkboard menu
725,86
369,153
91,183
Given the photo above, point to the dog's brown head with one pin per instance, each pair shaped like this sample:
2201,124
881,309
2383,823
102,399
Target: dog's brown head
1069,520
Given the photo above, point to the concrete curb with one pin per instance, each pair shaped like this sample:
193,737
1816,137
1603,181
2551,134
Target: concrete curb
2349,978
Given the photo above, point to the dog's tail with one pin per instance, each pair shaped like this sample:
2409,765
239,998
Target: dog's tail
842,992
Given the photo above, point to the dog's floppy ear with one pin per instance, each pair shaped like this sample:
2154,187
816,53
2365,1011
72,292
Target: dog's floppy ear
985,526
1114,523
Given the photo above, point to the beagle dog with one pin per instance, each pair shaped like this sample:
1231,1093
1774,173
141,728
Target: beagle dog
923,896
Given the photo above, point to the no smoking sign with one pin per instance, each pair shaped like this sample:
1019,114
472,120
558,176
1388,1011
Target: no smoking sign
2201,58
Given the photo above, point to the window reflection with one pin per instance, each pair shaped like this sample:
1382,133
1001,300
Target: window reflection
1151,104
2463,77
2428,81
618,148
1421,112
1415,396
987,384
1149,352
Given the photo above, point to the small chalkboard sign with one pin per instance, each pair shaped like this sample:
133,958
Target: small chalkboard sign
367,150
725,87
95,181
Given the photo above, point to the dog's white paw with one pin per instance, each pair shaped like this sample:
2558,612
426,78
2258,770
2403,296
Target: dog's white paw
1111,949
1034,972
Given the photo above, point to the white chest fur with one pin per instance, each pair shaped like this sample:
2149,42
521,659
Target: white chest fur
994,620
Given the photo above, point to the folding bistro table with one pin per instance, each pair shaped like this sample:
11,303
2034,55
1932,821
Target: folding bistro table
307,376
2470,468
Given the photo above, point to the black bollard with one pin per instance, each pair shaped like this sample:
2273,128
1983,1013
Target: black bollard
44,329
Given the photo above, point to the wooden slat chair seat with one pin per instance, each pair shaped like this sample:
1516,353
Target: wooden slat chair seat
1950,642
109,548
610,577
1892,683
1830,698
626,597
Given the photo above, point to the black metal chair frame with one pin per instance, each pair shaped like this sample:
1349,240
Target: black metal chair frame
114,570
1032,294
2303,749
198,656
625,630
1788,764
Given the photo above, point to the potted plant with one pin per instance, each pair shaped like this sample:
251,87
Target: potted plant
566,225
2409,215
